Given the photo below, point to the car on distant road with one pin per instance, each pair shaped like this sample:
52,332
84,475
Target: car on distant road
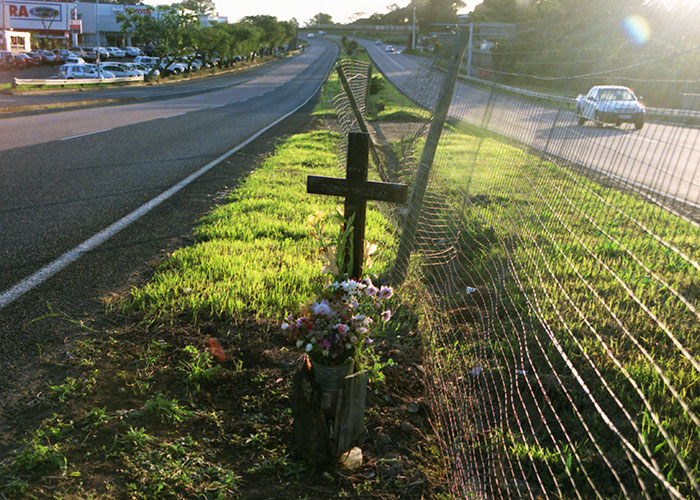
378,42
610,104
389,48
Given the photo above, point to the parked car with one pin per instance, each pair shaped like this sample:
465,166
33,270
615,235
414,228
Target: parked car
74,60
49,57
62,54
81,71
132,51
118,70
38,59
103,52
145,69
174,68
147,60
610,104
6,60
378,42
116,52
23,61
81,51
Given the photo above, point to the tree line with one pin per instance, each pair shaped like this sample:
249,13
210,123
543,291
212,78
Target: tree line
571,45
174,32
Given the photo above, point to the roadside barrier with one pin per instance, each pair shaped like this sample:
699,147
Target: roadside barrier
74,81
571,102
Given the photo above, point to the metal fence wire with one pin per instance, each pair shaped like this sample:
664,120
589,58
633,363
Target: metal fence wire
560,262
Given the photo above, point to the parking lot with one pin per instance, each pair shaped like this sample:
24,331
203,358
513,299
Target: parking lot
7,75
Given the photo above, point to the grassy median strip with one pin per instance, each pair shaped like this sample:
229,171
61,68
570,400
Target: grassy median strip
255,255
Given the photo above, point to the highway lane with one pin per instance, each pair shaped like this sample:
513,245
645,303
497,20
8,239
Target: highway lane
69,175
661,158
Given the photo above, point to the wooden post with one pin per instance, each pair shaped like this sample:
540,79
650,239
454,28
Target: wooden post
357,190
410,226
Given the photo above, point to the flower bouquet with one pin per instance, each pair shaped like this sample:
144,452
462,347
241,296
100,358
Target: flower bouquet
335,329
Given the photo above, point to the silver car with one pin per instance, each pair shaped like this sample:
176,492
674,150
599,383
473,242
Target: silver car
610,104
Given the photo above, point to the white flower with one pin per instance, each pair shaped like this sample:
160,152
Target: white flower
285,326
351,286
309,347
322,308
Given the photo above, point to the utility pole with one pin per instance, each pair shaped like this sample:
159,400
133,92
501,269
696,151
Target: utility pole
4,18
413,31
410,225
469,49
97,38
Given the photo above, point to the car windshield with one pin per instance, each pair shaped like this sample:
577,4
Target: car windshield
616,95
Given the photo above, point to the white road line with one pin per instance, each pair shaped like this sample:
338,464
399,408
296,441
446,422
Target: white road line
179,114
46,272
86,133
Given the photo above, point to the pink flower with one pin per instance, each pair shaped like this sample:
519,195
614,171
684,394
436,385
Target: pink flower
385,292
325,344
371,290
386,315
342,328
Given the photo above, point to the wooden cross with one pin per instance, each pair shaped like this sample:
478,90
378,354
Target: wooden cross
357,190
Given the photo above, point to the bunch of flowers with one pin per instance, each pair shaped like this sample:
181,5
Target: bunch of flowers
336,327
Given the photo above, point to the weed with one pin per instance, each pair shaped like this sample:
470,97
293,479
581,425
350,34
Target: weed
164,410
199,368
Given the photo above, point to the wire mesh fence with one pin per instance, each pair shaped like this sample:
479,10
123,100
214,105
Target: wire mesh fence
560,261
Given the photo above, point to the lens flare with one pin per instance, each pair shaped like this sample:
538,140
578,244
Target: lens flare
637,29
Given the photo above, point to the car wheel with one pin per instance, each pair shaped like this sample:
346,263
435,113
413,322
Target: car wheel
598,123
581,120
639,123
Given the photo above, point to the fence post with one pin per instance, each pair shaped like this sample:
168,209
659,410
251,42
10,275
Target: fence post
410,226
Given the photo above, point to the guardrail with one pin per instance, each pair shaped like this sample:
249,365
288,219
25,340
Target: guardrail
571,102
75,81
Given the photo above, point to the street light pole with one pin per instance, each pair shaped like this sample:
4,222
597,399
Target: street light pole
413,30
97,37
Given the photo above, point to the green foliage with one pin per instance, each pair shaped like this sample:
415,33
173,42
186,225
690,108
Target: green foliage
199,368
265,216
164,410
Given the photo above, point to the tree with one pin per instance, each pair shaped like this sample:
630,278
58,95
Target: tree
200,6
167,28
273,33
320,18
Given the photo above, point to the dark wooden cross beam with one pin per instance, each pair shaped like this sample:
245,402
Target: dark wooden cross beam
357,190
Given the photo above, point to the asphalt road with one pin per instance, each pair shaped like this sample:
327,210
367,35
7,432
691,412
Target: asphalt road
661,158
67,176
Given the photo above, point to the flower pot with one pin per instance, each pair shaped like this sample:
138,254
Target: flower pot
330,378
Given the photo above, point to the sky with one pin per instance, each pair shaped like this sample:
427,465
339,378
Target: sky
340,10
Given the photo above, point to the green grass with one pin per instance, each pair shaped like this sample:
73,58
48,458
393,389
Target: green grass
254,254
146,411
578,280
